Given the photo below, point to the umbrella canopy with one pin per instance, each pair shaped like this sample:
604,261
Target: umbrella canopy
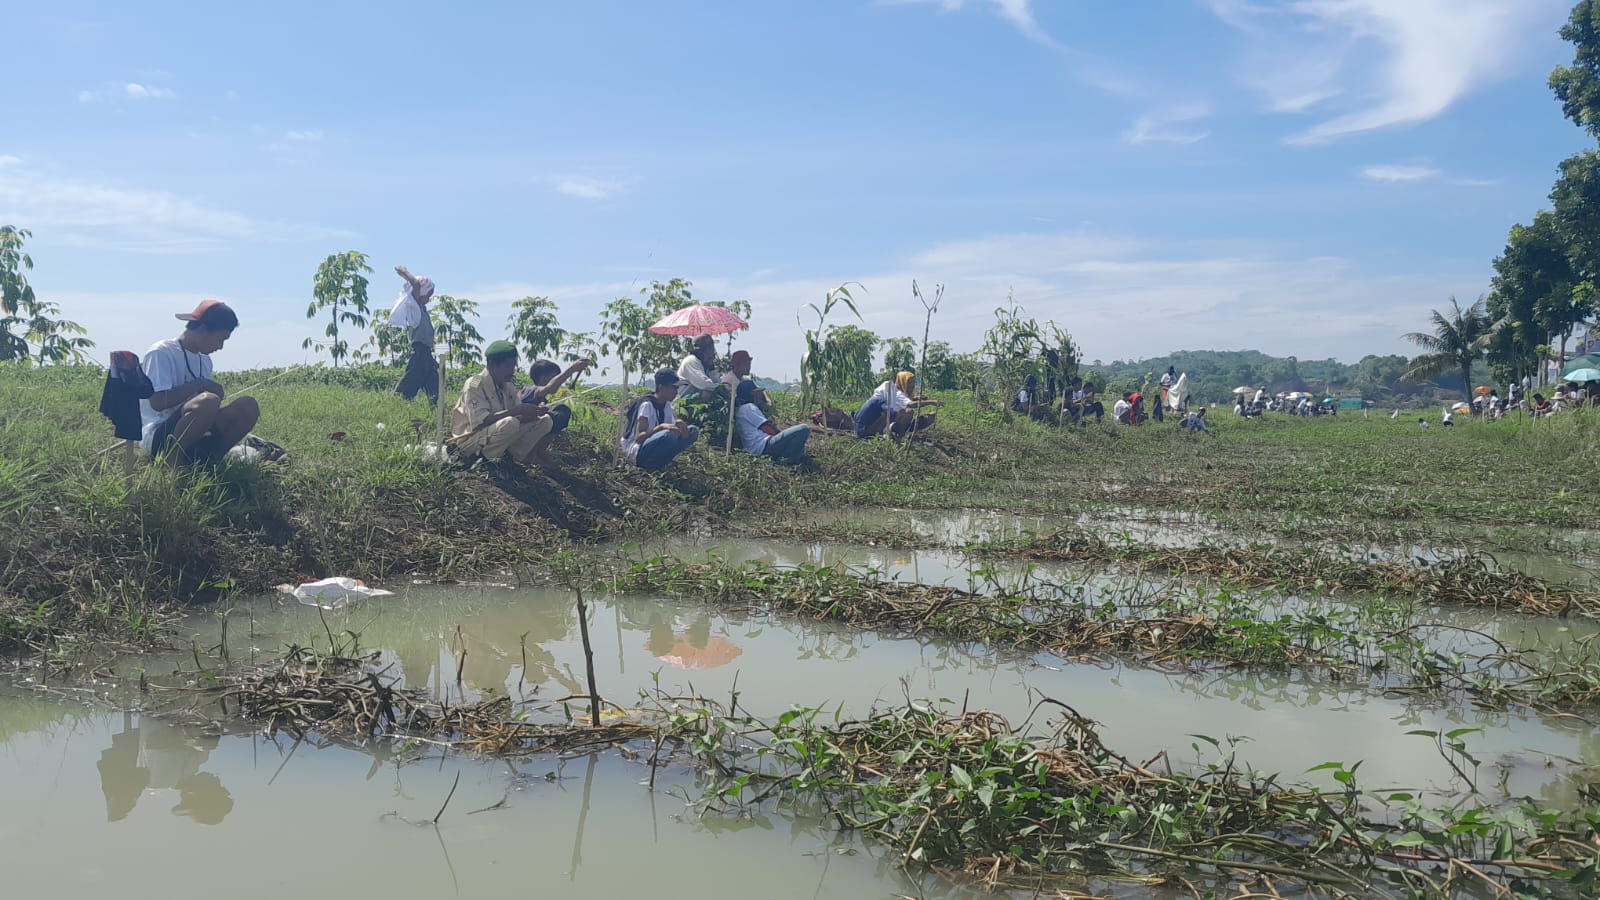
1461,407
699,319
1587,361
1298,395
1244,390
1584,374
1482,389
683,654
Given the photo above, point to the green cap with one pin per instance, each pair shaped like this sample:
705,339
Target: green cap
499,350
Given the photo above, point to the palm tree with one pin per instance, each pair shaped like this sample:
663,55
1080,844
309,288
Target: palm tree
1457,341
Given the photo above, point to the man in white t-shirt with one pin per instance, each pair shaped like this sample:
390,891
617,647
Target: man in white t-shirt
654,437
186,417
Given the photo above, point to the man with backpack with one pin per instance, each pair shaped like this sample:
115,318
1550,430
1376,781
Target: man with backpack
651,434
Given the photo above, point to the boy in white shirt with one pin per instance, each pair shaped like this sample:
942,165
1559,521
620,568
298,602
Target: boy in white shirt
186,417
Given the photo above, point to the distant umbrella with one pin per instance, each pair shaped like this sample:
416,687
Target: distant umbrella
1244,390
1482,389
1461,407
1582,375
699,319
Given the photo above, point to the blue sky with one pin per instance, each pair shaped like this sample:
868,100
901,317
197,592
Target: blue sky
1303,177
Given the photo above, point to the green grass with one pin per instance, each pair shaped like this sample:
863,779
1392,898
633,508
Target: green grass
95,550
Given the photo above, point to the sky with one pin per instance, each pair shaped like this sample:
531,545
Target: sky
1301,177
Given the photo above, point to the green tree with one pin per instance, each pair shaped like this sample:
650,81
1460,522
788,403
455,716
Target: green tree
624,325
454,330
899,354
25,319
1533,290
340,286
1457,342
941,370
534,328
1578,86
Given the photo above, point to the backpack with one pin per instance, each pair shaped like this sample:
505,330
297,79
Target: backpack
632,417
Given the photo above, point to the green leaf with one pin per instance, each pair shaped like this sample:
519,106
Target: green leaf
1409,839
960,777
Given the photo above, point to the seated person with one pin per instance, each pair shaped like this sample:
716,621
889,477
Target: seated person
1123,409
697,374
891,407
1541,406
652,436
1084,401
490,421
759,436
548,377
185,418
1194,421
1025,398
740,371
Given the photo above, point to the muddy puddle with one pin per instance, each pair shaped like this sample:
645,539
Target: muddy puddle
98,800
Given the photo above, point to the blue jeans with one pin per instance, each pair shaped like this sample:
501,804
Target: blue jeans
660,449
788,445
872,417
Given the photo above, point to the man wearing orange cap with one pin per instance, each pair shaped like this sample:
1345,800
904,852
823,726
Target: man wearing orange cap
186,417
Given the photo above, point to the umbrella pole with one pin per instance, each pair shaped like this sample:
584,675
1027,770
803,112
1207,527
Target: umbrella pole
733,399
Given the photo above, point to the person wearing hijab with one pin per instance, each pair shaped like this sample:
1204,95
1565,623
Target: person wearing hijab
891,407
410,314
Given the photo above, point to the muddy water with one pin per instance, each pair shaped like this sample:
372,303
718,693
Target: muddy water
97,801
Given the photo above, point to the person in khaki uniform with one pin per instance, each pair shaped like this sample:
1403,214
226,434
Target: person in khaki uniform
489,421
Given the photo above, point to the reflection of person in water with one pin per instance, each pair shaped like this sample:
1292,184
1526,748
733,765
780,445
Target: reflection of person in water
157,756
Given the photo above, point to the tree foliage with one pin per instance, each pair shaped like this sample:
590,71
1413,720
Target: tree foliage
32,330
1578,86
1018,346
1458,340
454,330
824,368
534,328
340,287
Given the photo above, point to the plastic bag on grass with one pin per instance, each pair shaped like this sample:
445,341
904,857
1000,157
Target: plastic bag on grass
332,593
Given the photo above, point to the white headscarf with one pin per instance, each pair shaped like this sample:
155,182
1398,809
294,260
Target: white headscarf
407,311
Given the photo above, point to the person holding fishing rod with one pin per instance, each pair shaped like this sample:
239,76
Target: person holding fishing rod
410,314
185,420
491,422
548,377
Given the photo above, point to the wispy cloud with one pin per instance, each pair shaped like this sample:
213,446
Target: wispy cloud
134,220
131,90
9,160
303,137
145,92
1399,174
588,187
1018,13
1163,126
1392,63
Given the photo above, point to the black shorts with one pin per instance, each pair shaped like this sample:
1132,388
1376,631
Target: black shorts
208,448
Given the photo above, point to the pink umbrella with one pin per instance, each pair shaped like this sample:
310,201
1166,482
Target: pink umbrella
699,319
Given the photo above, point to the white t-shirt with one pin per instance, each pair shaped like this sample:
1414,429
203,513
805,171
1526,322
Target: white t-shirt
168,366
749,420
897,400
1121,407
646,411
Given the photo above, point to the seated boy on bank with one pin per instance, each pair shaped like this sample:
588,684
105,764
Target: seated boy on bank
548,377
652,436
186,418
490,421
759,436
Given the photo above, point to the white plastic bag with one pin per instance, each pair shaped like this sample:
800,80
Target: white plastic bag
332,593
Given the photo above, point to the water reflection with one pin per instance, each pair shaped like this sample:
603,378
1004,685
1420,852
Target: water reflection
149,756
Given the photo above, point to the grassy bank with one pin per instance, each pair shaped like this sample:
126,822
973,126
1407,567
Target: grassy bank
91,551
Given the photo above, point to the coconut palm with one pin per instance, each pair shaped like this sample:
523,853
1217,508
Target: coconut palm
1458,340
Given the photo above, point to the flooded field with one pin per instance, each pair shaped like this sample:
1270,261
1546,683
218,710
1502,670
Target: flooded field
98,798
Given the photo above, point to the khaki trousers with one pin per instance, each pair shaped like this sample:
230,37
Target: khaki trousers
507,437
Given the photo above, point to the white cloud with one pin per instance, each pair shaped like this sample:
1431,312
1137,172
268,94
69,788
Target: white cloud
139,91
304,137
8,160
87,96
1388,62
1397,174
587,187
1161,126
1018,13
132,220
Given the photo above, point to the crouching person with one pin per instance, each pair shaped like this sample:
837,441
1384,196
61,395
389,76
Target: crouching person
651,435
489,420
186,420
762,438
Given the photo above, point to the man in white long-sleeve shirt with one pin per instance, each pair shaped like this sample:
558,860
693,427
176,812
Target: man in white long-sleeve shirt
698,371
410,314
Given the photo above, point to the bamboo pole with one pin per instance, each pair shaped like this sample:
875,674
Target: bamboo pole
444,435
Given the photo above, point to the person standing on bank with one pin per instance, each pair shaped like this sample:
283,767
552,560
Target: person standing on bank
490,420
185,418
410,314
